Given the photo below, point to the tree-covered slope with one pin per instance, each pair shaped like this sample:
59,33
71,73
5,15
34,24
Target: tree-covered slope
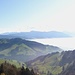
68,60
56,63
7,68
70,70
16,63
24,50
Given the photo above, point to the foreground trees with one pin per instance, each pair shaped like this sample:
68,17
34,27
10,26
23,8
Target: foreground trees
8,69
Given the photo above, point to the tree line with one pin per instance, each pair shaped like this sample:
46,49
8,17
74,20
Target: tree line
8,69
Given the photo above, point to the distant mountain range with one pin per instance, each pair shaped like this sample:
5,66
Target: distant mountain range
55,63
24,50
35,35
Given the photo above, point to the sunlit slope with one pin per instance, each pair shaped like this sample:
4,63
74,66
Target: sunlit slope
12,62
24,50
55,63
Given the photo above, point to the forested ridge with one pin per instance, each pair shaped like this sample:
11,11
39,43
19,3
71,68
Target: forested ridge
55,63
51,64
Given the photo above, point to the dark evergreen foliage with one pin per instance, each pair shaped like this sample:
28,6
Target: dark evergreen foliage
49,73
8,69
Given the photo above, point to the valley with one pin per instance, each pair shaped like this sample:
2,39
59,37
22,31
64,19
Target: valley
55,63
37,37
43,59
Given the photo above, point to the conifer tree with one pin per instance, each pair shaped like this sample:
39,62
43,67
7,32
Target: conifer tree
32,72
28,71
2,70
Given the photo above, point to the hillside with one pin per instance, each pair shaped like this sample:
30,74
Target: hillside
16,63
56,63
35,35
10,69
70,61
24,50
70,70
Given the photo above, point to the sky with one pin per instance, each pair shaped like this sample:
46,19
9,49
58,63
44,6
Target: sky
37,15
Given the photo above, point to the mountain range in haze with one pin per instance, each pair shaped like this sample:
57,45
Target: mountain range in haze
44,59
35,35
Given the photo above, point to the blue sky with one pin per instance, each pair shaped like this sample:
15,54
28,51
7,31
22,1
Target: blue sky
39,15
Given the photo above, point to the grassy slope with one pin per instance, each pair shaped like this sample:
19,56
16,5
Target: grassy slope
22,49
48,64
14,62
55,63
16,48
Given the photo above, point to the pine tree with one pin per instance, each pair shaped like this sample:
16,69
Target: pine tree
22,71
32,72
28,71
1,70
49,73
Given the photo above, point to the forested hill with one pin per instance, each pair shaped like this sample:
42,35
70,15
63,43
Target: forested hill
55,63
24,50
68,62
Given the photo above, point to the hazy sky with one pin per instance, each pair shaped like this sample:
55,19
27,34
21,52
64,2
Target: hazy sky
39,15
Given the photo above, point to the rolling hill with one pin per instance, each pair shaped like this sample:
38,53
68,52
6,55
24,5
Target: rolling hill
24,50
55,63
